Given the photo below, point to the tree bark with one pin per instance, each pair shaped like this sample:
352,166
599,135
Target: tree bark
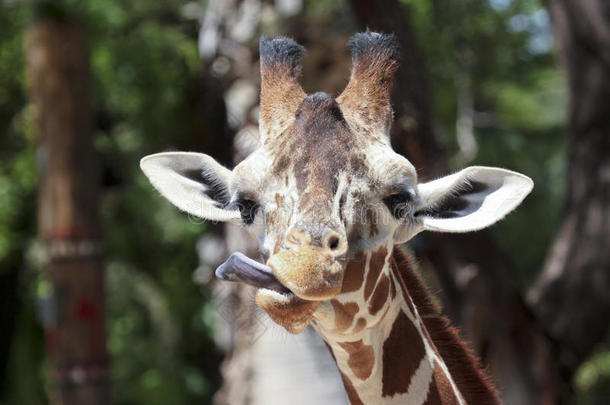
73,310
571,296
478,291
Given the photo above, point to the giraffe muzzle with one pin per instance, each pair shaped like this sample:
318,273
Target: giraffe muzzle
309,272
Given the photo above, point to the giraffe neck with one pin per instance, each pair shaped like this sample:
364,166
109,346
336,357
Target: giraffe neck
380,339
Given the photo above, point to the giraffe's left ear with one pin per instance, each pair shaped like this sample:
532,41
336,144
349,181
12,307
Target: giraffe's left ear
469,200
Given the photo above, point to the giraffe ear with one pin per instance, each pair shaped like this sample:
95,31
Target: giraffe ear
471,199
193,182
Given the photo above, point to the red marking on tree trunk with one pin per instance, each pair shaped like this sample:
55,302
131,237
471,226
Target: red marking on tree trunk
86,311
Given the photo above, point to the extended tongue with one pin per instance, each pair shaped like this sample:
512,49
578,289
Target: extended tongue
240,267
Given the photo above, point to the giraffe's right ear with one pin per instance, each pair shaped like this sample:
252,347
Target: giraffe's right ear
193,182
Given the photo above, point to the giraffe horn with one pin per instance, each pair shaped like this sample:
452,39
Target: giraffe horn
367,95
281,92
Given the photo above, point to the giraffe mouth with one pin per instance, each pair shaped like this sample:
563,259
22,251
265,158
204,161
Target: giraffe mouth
240,267
283,306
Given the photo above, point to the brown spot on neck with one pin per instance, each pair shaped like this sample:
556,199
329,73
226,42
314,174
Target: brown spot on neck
361,358
380,295
473,383
352,395
403,350
360,324
354,274
344,314
375,266
440,392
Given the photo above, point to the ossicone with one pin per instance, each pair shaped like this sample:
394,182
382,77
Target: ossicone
281,92
366,97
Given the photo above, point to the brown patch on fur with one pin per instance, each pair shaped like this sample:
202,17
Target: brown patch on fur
281,163
277,246
270,219
320,143
375,267
352,395
380,295
279,199
360,324
357,165
371,220
473,383
361,358
434,396
354,274
440,392
344,314
403,350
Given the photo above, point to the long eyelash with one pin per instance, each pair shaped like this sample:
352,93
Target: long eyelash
398,203
247,209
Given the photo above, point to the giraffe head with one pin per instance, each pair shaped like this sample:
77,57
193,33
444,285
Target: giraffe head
325,186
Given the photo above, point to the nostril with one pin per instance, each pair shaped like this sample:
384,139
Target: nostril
333,243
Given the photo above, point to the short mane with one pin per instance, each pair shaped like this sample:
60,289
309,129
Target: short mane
474,384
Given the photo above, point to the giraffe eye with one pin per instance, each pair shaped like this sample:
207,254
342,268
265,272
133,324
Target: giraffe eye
247,209
399,203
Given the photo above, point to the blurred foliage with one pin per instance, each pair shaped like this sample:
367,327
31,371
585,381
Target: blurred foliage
519,100
146,81
23,351
145,68
592,381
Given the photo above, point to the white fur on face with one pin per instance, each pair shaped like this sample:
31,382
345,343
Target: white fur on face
357,204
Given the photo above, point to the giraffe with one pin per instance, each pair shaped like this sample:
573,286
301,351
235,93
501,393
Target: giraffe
329,202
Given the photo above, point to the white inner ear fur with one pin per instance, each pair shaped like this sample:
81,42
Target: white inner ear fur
171,174
503,191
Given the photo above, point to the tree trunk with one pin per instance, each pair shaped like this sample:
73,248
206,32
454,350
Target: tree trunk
474,274
73,312
571,296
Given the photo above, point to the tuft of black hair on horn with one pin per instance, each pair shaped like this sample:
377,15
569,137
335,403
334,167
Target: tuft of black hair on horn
374,44
280,51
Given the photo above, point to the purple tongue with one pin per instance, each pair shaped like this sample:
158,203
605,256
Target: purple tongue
239,267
